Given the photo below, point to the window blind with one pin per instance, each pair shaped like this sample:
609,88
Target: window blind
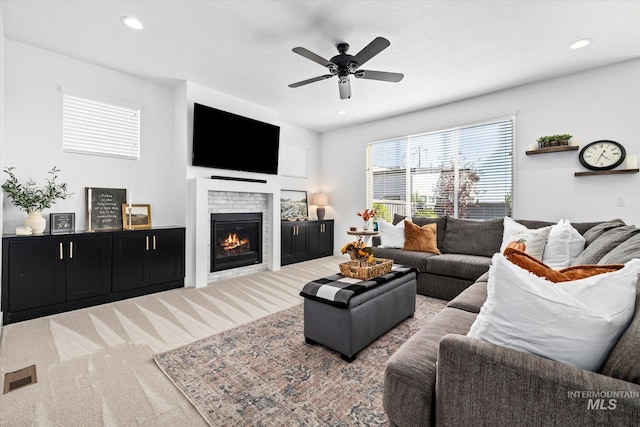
293,161
463,172
98,127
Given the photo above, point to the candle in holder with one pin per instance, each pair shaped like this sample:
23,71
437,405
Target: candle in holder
632,162
89,198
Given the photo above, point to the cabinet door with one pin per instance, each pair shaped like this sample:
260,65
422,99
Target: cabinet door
299,244
166,256
36,273
131,260
325,238
88,266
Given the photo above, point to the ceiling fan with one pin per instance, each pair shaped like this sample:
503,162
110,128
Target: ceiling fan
345,65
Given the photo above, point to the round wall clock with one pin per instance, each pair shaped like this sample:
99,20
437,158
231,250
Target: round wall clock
602,155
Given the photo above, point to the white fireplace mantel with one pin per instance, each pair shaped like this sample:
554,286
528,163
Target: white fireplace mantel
198,223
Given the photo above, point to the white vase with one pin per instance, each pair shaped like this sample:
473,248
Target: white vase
36,221
367,225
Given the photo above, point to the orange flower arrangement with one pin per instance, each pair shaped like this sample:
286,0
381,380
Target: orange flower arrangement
367,214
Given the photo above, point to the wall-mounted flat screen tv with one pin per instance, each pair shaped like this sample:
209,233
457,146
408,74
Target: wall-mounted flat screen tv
224,140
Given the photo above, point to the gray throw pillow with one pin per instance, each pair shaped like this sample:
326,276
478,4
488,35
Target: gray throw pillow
625,251
464,236
596,231
605,244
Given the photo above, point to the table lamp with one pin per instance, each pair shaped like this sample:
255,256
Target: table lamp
320,200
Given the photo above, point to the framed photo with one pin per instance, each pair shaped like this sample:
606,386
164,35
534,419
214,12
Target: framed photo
293,205
62,223
104,207
136,216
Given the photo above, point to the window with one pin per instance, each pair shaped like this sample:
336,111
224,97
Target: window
99,127
293,161
463,172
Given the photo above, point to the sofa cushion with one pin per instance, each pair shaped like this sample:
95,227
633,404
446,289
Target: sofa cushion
625,251
534,239
411,258
540,269
623,361
421,239
419,220
468,267
564,245
391,235
582,227
597,230
575,322
469,237
605,244
472,298
410,373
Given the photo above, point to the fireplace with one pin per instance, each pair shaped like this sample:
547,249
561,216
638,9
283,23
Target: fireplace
236,240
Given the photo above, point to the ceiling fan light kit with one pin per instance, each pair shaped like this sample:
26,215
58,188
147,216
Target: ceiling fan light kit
344,65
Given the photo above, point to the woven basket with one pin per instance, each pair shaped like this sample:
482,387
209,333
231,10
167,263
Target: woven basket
353,269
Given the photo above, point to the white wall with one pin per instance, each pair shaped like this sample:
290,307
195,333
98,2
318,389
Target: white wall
2,47
33,134
598,104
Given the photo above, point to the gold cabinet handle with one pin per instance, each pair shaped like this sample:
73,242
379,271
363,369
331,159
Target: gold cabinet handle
70,250
61,251
154,243
147,238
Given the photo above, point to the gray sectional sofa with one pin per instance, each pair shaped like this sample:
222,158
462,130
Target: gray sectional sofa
467,247
442,377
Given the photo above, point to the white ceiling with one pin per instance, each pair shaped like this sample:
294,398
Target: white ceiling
448,50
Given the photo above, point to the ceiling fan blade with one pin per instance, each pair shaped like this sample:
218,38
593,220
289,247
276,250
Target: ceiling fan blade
372,49
379,75
312,56
345,88
312,80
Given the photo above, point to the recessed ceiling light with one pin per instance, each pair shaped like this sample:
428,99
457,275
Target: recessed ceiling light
132,22
580,43
341,113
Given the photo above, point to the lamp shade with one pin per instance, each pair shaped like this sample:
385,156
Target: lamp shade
320,199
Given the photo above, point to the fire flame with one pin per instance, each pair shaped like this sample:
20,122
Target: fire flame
233,241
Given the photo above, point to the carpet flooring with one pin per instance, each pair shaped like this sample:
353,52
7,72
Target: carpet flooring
95,366
263,373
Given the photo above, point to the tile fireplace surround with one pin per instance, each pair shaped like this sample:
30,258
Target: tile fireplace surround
207,196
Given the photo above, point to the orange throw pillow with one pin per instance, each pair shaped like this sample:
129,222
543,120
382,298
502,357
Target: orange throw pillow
421,239
540,269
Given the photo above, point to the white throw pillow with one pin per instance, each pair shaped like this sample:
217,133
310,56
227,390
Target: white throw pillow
564,245
391,236
535,239
576,322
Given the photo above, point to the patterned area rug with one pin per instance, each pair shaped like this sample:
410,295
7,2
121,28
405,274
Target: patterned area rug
263,373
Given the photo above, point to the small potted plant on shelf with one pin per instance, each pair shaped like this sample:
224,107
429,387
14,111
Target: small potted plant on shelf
32,199
554,140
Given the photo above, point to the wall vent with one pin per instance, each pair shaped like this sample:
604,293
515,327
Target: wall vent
19,378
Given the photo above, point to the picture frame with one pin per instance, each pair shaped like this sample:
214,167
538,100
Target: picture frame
293,205
60,223
103,208
136,216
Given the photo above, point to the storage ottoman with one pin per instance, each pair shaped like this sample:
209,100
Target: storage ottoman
367,315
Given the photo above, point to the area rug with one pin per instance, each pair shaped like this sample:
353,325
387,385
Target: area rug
263,373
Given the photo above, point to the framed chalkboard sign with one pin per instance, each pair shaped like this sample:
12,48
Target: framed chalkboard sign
104,208
62,222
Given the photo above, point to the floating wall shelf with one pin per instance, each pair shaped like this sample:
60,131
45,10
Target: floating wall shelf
611,172
553,149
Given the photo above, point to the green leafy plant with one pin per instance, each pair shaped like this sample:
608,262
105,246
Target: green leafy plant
30,198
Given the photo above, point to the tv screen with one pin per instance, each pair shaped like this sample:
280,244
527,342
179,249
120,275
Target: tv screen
224,140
